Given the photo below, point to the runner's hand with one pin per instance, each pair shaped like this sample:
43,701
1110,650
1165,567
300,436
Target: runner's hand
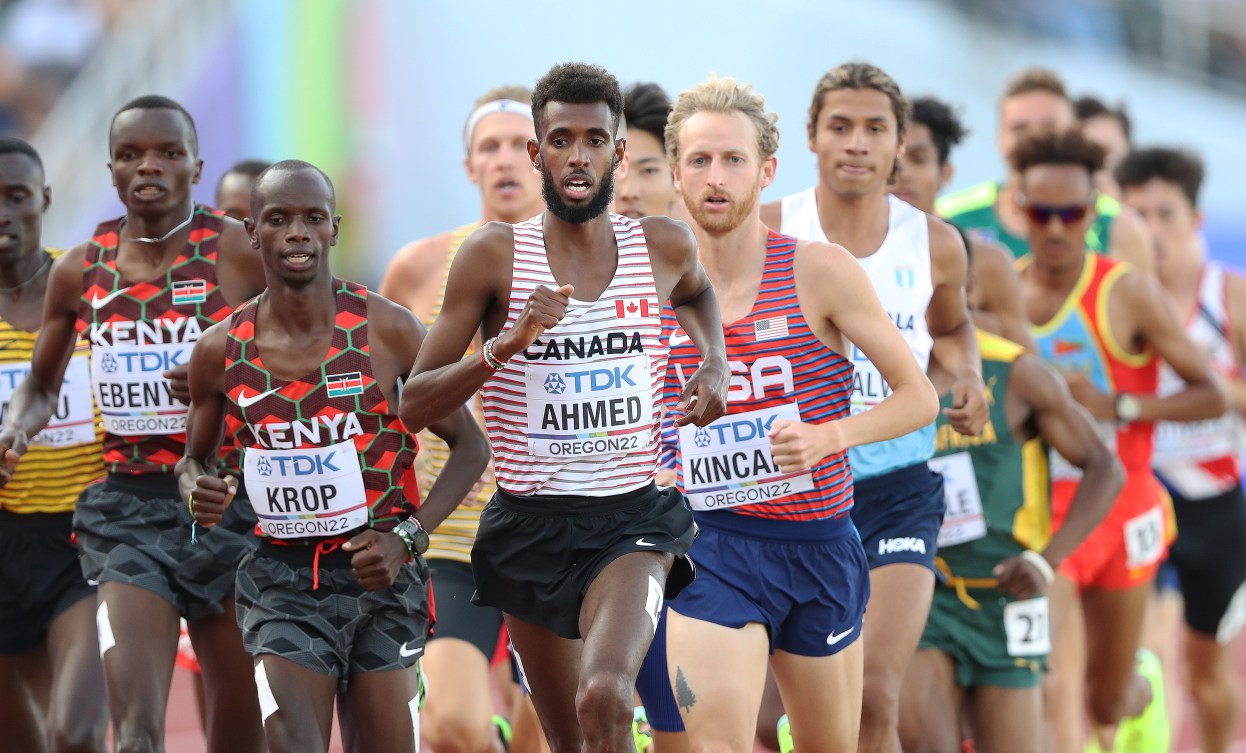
544,309
1020,578
378,558
12,447
969,411
798,446
179,382
211,498
704,399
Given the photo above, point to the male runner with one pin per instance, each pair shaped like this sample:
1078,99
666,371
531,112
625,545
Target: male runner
1104,326
51,682
987,636
334,603
576,546
141,291
1200,463
917,265
1036,101
783,574
459,716
1110,128
994,291
233,190
648,190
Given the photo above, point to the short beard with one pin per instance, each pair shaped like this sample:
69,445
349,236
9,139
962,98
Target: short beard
719,225
581,214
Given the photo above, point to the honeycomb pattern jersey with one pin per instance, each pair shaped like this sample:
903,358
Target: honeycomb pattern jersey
137,330
338,401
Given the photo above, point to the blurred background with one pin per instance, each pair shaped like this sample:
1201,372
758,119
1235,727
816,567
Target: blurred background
376,91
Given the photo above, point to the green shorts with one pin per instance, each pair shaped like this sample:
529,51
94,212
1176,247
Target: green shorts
980,640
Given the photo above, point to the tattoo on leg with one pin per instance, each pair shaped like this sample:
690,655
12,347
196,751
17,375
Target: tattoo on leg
684,696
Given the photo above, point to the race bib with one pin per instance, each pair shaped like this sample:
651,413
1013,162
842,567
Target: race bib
602,407
1062,470
73,421
313,491
1144,538
728,463
133,396
1027,628
963,520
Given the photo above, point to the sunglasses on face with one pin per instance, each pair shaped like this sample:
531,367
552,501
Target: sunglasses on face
1041,214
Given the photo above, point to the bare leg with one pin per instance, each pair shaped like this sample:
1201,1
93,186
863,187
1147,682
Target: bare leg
931,704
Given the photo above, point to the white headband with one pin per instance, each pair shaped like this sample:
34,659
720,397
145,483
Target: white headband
487,109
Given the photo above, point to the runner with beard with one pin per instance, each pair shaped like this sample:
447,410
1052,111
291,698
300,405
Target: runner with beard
578,548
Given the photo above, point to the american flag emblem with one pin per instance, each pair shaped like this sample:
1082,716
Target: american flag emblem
190,291
344,385
634,308
770,329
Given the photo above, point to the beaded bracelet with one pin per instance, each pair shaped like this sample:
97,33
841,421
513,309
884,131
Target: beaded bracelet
486,354
407,542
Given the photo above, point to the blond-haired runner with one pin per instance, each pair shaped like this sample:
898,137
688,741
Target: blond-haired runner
459,715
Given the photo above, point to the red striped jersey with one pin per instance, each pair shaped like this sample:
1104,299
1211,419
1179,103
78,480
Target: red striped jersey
323,456
1202,459
577,412
779,370
139,330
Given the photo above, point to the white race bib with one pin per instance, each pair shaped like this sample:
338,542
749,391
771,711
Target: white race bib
728,463
1062,470
73,422
1144,538
963,520
600,407
133,396
313,491
1027,628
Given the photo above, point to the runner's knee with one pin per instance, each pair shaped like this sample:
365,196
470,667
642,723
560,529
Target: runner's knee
880,702
603,697
79,738
454,728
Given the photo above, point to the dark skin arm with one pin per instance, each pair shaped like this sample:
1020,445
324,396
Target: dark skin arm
995,294
947,317
1138,300
477,292
1039,405
34,400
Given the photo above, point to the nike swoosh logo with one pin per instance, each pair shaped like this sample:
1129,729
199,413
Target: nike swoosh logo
404,652
678,339
98,302
245,400
641,542
832,639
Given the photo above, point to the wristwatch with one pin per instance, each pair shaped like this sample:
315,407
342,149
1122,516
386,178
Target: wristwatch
1128,407
413,535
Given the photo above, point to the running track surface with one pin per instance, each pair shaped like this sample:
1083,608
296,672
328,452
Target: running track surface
184,735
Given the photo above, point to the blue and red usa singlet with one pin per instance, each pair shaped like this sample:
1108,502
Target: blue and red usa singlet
577,412
323,455
779,370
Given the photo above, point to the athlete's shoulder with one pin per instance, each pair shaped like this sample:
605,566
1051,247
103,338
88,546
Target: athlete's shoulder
210,347
772,214
947,245
666,230
971,199
823,258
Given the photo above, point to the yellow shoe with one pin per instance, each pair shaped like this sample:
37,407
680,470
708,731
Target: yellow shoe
1147,732
642,736
785,735
1092,743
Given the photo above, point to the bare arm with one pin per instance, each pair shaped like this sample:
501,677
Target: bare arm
1129,240
996,294
205,425
772,214
443,379
241,269
34,400
835,289
947,317
1236,305
400,335
674,251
